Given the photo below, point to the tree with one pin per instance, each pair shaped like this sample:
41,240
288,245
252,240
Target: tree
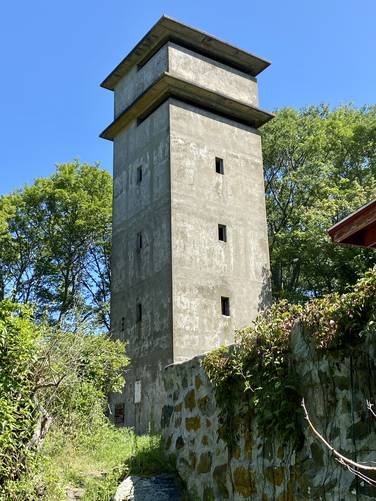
49,376
55,245
320,165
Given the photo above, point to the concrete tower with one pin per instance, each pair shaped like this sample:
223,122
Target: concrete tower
190,251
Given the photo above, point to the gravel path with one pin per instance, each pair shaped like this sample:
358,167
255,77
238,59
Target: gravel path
160,488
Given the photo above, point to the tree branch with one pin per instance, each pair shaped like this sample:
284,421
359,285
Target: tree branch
345,461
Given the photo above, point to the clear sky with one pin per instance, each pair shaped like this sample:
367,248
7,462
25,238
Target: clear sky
54,54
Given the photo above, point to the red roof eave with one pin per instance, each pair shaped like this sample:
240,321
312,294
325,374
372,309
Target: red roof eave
359,228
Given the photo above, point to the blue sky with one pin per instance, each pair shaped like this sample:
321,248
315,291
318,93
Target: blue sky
55,54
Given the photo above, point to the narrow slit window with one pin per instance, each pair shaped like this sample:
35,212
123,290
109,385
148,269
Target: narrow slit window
222,232
139,241
139,313
225,305
219,169
122,324
139,174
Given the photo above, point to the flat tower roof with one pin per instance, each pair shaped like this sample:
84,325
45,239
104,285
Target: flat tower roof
168,29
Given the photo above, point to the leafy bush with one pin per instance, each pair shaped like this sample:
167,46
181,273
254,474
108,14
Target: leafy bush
74,374
49,378
18,352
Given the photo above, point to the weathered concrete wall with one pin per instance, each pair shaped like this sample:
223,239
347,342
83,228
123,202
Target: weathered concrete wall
143,276
211,74
335,387
134,83
188,65
183,269
205,268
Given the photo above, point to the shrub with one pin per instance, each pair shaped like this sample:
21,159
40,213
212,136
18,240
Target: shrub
18,352
48,378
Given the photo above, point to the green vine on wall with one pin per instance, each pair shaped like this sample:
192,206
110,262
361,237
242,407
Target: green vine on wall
258,369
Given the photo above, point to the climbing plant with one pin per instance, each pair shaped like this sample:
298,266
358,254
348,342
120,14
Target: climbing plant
259,366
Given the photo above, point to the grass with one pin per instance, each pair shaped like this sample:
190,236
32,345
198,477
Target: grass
95,461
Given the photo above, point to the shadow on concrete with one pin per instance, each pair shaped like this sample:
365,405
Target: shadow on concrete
265,296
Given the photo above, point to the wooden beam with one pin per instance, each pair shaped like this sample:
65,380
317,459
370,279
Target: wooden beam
349,229
369,238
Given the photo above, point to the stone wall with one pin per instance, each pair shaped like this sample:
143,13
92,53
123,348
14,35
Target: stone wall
335,385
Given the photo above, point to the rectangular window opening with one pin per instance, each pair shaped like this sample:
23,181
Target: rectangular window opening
139,174
119,414
122,324
225,305
222,232
219,169
139,313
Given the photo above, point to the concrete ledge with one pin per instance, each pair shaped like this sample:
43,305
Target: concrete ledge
170,86
168,29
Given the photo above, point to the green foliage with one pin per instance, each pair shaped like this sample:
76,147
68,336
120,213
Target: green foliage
74,374
49,376
259,371
55,245
340,319
320,165
149,457
99,458
18,352
96,460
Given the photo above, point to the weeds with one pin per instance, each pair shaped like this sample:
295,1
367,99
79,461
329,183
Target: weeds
92,460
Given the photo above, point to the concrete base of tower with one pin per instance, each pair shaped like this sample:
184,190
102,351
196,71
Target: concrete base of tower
139,405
